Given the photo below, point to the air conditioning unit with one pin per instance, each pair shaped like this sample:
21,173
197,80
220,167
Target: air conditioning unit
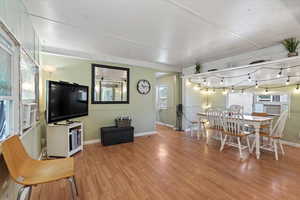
29,115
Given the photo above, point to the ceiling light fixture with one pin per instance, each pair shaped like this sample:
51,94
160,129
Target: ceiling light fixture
279,73
267,90
287,81
222,81
224,91
249,77
256,84
232,89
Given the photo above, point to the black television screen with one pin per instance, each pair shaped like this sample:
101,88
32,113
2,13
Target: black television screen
66,101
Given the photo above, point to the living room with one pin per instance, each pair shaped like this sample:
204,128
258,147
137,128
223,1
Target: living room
154,99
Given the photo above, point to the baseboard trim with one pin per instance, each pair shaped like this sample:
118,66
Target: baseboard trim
165,124
293,144
91,141
135,135
145,133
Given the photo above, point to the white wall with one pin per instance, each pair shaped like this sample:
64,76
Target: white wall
271,53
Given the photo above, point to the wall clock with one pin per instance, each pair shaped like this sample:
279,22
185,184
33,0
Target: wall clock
143,86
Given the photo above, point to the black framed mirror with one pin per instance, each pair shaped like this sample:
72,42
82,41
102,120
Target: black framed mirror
110,84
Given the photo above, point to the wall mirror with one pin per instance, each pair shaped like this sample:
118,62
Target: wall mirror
110,85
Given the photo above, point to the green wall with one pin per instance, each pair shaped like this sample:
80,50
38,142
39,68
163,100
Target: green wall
168,115
141,107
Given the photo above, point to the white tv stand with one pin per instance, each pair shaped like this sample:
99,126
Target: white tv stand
64,140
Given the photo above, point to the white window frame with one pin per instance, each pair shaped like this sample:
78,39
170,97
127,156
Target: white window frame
14,115
159,97
32,103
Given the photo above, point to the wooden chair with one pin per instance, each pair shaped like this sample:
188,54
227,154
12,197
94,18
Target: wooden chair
275,135
28,172
214,122
233,126
236,109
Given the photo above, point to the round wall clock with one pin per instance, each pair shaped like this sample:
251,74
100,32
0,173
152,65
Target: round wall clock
143,87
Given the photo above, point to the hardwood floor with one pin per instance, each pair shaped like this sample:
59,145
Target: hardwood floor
171,166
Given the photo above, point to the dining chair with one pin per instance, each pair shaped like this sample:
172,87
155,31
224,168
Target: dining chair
237,109
29,172
214,122
275,135
233,126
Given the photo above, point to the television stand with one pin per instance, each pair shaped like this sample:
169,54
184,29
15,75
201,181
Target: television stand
64,140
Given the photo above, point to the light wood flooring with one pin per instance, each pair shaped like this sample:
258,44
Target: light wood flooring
172,166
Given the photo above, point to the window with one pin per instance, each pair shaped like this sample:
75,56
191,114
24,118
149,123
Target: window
9,114
163,97
29,83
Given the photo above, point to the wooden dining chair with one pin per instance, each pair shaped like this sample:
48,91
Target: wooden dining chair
214,122
274,136
29,172
233,126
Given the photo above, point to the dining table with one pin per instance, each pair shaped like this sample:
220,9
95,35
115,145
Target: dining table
255,121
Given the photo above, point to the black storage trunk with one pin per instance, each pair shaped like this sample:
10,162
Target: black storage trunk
116,135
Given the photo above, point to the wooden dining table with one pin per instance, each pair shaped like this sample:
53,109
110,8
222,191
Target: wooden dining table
250,120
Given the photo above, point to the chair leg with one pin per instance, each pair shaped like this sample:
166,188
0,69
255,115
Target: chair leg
29,193
240,148
21,190
253,145
248,144
223,143
275,149
281,147
73,186
206,136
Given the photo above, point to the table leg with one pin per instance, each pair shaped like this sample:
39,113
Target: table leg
257,140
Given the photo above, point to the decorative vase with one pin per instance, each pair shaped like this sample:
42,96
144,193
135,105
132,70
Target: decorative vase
291,54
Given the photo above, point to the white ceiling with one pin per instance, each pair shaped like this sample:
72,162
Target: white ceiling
175,33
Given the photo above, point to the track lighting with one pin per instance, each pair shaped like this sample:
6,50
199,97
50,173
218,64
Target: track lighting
222,81
267,90
249,77
287,81
279,73
197,87
232,89
224,91
297,90
256,84
188,82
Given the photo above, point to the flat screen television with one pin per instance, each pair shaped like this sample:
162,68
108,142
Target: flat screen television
66,101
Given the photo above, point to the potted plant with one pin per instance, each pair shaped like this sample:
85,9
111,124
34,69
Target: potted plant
291,44
198,68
